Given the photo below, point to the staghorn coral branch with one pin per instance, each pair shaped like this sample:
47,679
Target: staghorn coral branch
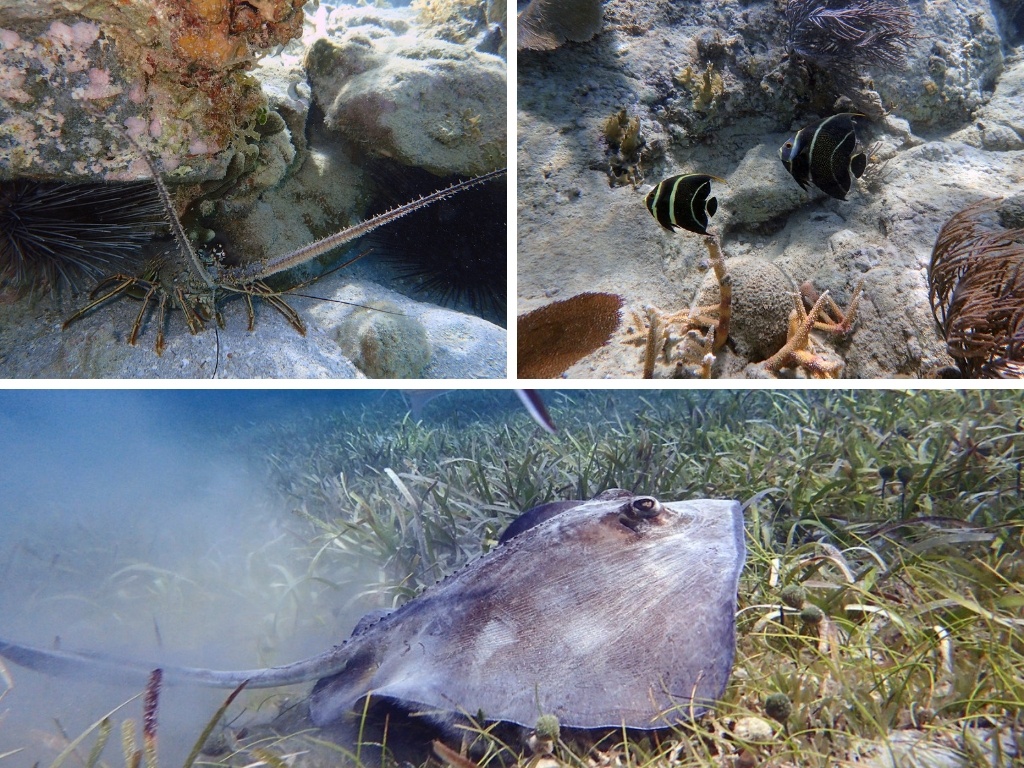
836,321
654,335
800,331
724,292
707,361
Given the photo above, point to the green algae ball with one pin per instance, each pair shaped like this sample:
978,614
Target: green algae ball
385,343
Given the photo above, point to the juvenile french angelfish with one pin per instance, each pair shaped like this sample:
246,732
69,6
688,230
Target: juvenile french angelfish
682,201
825,154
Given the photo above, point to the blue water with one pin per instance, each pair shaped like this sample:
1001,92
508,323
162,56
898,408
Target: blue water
137,523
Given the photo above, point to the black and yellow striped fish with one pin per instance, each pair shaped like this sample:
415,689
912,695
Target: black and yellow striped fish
825,154
682,201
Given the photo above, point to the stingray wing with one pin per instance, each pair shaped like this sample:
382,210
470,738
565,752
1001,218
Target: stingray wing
581,616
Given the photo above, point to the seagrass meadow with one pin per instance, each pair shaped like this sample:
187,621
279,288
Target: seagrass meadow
881,608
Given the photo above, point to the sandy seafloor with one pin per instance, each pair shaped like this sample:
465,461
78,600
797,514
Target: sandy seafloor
146,525
577,232
137,524
33,344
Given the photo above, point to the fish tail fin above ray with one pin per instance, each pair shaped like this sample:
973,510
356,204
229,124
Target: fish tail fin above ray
104,669
534,404
417,399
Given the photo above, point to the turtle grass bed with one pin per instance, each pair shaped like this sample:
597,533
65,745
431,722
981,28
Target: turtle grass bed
881,609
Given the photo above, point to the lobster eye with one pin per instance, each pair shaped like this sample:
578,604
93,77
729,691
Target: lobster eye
643,507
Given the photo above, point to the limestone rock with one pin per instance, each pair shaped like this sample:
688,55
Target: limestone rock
761,189
1000,123
462,346
416,99
952,66
383,342
322,193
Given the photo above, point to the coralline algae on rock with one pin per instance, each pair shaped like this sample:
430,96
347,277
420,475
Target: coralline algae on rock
412,98
171,73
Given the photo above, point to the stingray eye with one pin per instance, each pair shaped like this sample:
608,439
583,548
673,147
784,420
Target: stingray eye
643,507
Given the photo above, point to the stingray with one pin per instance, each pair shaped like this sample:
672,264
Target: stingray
612,613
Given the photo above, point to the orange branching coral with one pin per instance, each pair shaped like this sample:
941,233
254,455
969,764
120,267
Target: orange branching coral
976,282
223,33
801,349
559,334
691,337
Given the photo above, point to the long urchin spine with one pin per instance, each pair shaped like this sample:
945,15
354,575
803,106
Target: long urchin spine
54,233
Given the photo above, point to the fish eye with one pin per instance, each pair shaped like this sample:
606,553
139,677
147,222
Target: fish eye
644,507
789,145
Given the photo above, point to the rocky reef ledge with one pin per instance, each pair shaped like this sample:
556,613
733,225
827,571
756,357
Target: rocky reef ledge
270,123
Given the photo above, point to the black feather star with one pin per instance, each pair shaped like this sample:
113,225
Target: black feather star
838,34
55,234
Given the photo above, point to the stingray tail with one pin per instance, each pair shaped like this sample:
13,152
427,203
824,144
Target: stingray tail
100,668
74,665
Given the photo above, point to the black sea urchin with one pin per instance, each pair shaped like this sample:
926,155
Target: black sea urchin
56,233
454,251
